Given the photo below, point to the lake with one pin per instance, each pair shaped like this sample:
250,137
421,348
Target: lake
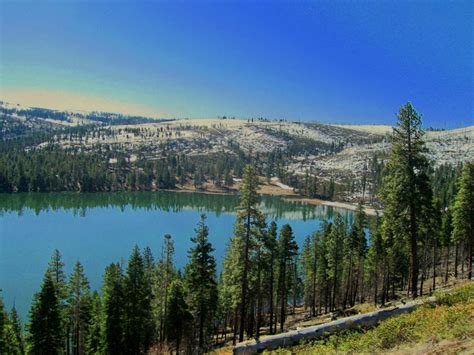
101,228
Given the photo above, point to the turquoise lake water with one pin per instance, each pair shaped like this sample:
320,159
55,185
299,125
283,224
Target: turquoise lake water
101,228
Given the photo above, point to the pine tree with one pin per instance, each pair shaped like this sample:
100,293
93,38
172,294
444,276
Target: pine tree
230,284
3,325
138,315
94,336
406,190
272,246
375,256
45,320
335,253
178,318
310,255
201,283
249,222
287,250
356,250
79,309
164,275
56,269
446,239
113,310
435,237
463,213
10,342
148,260
264,257
322,270
17,329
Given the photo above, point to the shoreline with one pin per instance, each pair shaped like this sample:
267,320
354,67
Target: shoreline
337,204
268,189
288,195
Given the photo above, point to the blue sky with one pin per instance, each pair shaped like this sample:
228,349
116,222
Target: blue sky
329,61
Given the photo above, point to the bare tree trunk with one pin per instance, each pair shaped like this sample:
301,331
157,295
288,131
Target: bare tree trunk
243,299
434,265
471,242
234,337
282,308
259,299
334,290
456,257
326,298
251,319
313,298
384,276
272,281
446,274
376,282
348,283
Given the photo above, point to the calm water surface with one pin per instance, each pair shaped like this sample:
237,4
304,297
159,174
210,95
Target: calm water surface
100,228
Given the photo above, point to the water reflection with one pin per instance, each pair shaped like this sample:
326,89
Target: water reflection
274,207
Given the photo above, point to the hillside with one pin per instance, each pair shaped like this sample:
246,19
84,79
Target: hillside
447,327
342,153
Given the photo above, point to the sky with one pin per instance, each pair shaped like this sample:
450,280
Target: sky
351,62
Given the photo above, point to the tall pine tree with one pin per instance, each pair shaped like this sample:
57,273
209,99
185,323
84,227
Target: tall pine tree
79,309
287,248
200,277
45,320
138,315
406,191
113,310
248,225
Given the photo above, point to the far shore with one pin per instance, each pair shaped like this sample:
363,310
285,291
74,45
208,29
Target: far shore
273,188
276,189
337,204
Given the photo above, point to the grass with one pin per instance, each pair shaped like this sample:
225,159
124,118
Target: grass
450,319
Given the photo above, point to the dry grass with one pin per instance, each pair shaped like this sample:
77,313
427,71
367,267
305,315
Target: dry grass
377,129
447,327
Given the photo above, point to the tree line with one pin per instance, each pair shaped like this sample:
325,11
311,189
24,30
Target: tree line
424,238
54,169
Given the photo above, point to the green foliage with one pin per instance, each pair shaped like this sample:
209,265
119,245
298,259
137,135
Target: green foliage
178,319
200,279
11,341
164,274
94,335
138,329
113,310
79,309
17,330
406,192
45,320
287,249
334,242
463,213
248,227
154,305
461,294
